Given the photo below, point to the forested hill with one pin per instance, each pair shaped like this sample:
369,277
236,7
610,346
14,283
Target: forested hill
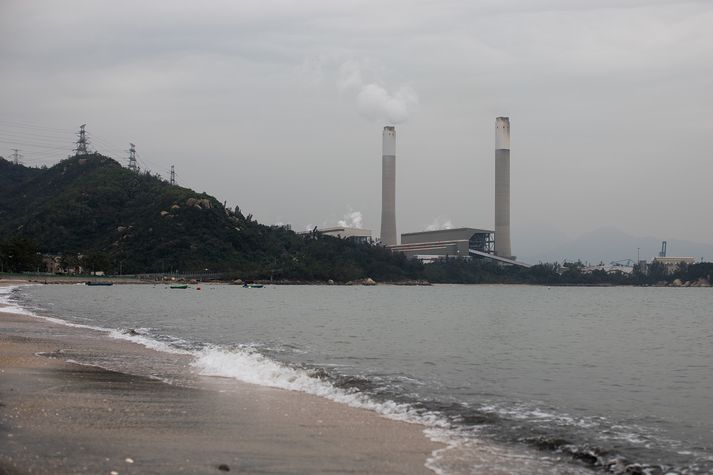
92,205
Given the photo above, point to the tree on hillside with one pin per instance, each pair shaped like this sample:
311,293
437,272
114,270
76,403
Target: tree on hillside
96,262
19,254
70,263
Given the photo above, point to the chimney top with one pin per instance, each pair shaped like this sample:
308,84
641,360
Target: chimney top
502,133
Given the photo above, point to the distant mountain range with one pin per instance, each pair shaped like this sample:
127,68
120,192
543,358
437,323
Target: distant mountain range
605,245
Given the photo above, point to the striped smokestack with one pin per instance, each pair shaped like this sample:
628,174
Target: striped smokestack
388,187
502,187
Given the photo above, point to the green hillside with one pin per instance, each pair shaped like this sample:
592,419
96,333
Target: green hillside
91,205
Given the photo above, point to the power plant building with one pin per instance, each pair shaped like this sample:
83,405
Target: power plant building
461,243
456,242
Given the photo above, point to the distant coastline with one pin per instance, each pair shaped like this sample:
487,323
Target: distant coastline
123,280
89,215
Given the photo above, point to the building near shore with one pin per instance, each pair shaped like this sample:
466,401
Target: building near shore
672,264
608,268
51,264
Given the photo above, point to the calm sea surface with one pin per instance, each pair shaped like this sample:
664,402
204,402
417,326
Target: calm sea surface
555,380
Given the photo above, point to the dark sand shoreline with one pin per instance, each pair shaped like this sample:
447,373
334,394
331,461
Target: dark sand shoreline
57,416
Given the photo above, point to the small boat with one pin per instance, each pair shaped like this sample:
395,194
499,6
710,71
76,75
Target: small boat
179,286
253,286
89,282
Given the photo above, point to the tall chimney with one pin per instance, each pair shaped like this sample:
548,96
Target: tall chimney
502,187
388,187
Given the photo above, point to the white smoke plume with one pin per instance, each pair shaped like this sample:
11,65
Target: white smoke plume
373,100
353,219
439,224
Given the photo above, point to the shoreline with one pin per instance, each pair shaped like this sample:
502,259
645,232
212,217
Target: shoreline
117,280
58,415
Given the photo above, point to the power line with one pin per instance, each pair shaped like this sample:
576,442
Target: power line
45,158
109,147
148,162
51,150
26,125
31,144
38,143
48,136
30,135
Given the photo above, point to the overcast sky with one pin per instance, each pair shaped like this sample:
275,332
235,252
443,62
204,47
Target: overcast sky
278,106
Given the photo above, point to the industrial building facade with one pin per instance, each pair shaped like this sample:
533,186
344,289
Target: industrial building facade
446,243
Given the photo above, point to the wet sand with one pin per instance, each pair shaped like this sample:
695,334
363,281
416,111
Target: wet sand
57,416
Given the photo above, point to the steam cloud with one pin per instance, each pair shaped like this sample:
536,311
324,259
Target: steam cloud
352,219
438,225
373,101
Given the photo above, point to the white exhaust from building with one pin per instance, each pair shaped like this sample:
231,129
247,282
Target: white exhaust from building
502,188
388,187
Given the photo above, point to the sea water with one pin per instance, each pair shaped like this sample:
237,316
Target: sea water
521,379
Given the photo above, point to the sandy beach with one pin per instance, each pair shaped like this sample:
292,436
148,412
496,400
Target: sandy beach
58,416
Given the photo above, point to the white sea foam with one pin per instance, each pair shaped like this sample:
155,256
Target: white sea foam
146,341
9,305
16,309
247,365
524,412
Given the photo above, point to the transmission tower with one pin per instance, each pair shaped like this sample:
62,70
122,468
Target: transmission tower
132,158
173,175
82,141
16,156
